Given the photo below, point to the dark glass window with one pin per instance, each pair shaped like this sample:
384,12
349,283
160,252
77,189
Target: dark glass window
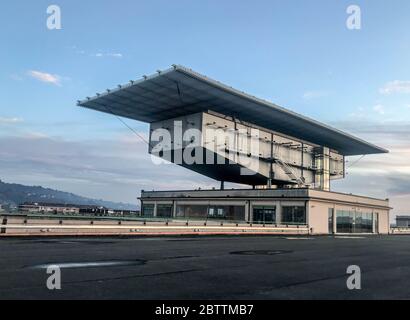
192,211
266,215
148,210
164,210
354,222
231,213
294,215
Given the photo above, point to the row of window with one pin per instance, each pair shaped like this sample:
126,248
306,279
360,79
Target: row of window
292,215
354,222
346,221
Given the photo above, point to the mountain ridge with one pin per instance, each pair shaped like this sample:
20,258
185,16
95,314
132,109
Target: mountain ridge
13,194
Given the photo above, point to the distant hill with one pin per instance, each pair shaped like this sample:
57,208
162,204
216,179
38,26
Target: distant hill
14,194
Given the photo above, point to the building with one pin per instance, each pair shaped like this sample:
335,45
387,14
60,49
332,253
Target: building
1,208
402,221
48,208
74,210
282,207
287,160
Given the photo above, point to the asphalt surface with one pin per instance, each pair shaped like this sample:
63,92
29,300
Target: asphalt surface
206,267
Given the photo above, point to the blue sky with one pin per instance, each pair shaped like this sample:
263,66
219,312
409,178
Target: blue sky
298,54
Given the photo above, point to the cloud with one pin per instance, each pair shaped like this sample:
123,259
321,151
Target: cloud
396,86
10,120
379,109
110,55
98,54
309,95
45,77
115,170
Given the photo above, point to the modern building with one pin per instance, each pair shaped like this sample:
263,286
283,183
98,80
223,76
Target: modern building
287,160
402,221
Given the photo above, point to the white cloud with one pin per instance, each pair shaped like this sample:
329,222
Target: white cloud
98,54
10,120
110,55
309,95
45,77
379,109
396,86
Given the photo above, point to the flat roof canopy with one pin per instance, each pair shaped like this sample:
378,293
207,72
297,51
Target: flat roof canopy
180,91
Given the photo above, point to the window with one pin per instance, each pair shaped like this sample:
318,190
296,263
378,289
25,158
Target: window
265,215
294,215
216,212
354,222
192,211
164,210
148,210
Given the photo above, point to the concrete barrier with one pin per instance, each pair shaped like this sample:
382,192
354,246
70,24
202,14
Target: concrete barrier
40,226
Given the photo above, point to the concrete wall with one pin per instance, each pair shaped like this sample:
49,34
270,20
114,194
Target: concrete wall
384,221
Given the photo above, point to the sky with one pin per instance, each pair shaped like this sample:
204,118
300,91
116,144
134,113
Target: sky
298,54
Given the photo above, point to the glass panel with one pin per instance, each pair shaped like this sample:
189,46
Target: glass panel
294,215
265,215
354,222
148,210
231,213
164,210
235,213
193,211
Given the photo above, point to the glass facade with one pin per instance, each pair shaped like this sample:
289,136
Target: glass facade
204,212
294,215
148,210
164,210
354,222
265,215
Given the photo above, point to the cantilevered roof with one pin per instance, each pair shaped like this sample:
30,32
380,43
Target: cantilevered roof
180,91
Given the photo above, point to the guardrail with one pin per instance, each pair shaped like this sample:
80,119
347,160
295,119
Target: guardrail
31,225
168,220
399,230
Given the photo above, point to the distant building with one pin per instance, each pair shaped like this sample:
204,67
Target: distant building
54,208
72,209
402,221
1,208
